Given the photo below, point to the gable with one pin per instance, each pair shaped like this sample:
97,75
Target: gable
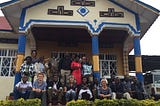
92,14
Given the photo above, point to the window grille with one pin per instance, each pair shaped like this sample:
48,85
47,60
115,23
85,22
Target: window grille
7,57
108,65
61,54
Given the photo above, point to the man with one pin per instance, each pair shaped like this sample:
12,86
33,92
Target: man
28,68
65,67
55,90
137,89
23,88
39,89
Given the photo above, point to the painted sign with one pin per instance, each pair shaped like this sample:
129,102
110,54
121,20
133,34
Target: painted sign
60,11
111,13
82,3
95,15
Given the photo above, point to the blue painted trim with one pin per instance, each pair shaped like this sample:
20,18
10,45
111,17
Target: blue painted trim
137,49
140,76
149,6
17,78
136,15
21,44
97,75
113,1
22,18
95,45
8,3
90,27
138,25
138,1
103,24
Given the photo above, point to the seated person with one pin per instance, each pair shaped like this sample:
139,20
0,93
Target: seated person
23,88
55,90
39,89
85,93
94,87
137,89
84,89
118,88
71,89
104,91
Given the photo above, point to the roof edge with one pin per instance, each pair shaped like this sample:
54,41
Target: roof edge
138,1
8,3
148,6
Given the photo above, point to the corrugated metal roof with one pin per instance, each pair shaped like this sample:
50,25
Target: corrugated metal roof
4,25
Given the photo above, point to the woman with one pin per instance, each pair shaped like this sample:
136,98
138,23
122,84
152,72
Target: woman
76,70
71,89
104,91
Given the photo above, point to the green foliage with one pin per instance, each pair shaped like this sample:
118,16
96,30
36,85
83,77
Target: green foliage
80,103
117,102
21,102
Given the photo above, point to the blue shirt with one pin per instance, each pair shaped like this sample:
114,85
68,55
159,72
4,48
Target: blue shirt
41,86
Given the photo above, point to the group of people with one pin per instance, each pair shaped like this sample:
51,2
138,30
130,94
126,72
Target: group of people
57,80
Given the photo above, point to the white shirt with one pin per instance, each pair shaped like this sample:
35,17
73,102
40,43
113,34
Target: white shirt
82,91
24,85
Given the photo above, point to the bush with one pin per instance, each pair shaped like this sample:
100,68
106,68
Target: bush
21,102
117,102
80,103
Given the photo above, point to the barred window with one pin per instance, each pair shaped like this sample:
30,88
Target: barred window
7,57
61,54
108,65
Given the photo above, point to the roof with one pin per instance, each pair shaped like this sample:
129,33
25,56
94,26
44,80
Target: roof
4,25
147,14
149,63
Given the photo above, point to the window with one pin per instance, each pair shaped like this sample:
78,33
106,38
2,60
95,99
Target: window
61,54
7,57
108,65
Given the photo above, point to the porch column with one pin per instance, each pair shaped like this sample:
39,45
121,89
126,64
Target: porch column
20,57
125,63
138,58
95,56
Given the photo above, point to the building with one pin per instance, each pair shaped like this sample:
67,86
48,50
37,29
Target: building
149,62
104,30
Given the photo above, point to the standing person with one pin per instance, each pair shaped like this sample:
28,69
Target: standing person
76,70
23,88
34,56
65,67
87,68
104,91
55,62
28,68
39,89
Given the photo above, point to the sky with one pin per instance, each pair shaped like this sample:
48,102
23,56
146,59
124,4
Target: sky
151,41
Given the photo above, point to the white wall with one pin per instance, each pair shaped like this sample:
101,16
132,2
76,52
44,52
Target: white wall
6,86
